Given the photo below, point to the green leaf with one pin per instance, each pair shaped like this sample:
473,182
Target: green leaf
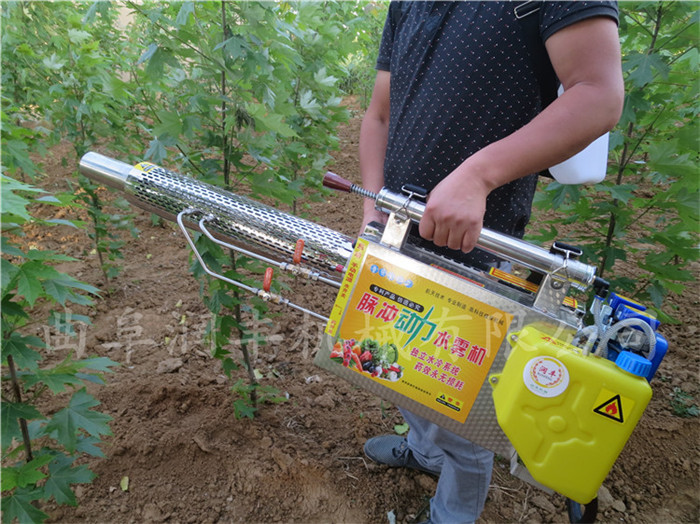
89,445
8,480
28,473
78,37
665,159
68,422
12,309
622,192
643,66
310,104
11,413
183,15
9,249
156,65
242,408
17,345
102,364
53,379
91,12
54,63
14,204
401,429
170,124
156,151
65,288
266,121
148,53
47,255
28,286
322,77
77,224
61,475
16,154
8,272
18,506
560,193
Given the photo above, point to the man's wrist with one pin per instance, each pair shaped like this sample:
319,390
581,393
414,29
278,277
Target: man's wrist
480,170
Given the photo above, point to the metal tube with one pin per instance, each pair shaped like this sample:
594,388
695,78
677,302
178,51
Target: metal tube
284,266
105,170
505,246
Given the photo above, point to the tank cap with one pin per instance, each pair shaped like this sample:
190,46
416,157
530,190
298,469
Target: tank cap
633,363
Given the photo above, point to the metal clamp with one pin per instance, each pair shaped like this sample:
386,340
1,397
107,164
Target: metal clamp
410,191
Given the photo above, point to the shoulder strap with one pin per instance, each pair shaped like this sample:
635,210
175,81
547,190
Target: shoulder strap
396,10
527,15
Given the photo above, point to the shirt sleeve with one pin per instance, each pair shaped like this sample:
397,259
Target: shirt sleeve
385,47
555,16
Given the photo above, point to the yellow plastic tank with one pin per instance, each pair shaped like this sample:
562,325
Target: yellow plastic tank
567,415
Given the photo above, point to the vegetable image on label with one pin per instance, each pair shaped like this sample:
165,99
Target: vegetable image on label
369,356
546,376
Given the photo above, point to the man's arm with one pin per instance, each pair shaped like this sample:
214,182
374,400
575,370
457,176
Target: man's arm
374,134
586,58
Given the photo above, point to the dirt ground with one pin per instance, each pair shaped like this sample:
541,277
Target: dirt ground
188,459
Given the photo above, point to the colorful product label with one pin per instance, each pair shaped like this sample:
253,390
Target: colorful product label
145,166
422,339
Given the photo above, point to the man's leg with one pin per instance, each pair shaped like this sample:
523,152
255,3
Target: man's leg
420,439
464,480
416,451
465,470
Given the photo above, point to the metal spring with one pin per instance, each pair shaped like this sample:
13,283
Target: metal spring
363,192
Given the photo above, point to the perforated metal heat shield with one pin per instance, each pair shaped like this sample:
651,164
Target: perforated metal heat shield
237,218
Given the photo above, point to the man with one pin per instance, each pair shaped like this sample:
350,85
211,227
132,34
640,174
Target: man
457,109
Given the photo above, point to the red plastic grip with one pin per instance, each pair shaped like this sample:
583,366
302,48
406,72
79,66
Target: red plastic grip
337,182
298,251
267,280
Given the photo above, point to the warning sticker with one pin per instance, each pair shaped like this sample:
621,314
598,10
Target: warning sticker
449,401
612,406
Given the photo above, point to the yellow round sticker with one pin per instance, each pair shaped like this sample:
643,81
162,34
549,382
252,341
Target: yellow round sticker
546,376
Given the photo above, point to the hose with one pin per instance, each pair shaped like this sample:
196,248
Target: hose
590,333
597,312
602,349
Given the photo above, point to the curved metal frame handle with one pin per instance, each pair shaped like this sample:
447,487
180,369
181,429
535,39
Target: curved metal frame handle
265,295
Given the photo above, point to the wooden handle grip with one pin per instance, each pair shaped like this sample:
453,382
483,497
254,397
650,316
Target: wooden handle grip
337,182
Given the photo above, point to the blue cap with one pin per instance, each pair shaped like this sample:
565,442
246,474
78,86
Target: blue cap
633,363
